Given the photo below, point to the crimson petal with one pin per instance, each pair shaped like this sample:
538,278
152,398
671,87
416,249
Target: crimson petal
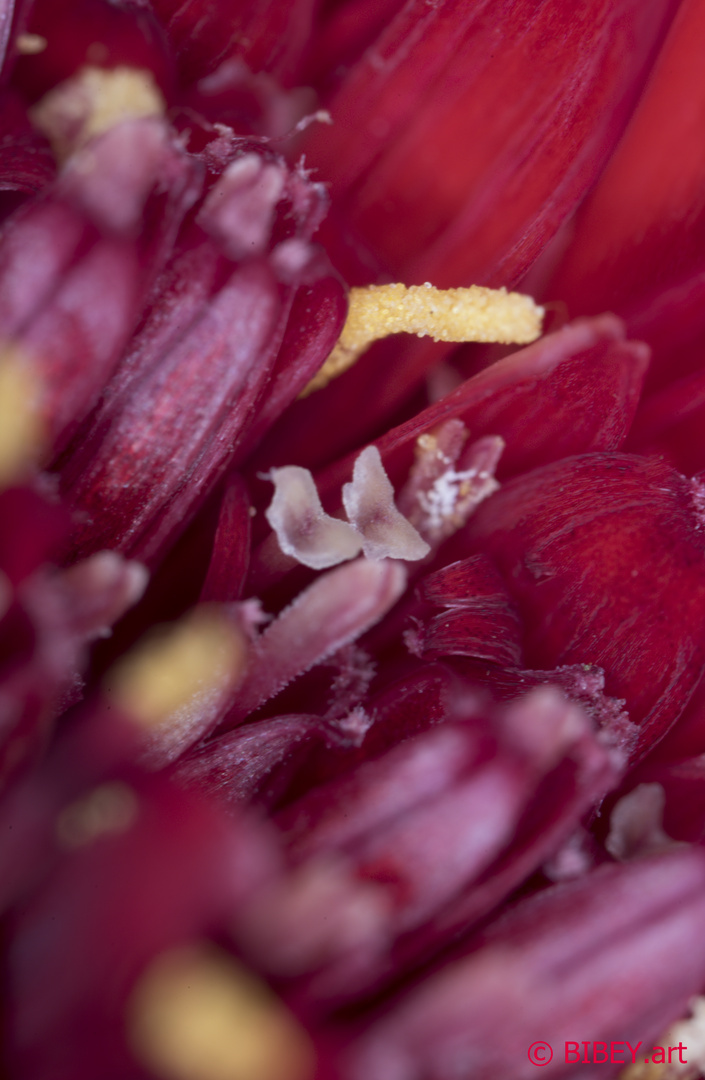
604,556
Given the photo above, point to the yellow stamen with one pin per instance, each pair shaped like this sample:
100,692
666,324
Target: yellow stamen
198,1015
175,668
93,101
473,314
30,44
110,808
20,426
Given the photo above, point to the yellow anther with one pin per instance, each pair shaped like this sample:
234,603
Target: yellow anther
198,1015
93,101
20,426
30,44
178,667
110,808
473,314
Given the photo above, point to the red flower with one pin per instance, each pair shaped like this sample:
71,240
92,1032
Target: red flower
360,814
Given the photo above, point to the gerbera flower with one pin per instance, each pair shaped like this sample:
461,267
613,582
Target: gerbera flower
408,788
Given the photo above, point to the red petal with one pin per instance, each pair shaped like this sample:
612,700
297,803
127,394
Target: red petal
485,150
266,34
478,619
230,558
616,954
96,33
27,161
604,556
643,225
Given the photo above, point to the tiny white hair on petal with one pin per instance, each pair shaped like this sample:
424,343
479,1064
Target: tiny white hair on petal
302,527
369,504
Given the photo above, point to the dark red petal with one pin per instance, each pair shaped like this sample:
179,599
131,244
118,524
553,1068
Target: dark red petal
266,35
95,33
317,316
13,18
32,530
670,423
45,633
643,225
252,763
670,319
478,617
165,434
344,32
170,874
27,163
211,365
541,116
230,558
604,556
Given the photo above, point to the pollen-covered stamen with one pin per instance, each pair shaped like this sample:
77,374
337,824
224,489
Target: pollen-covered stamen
174,684
93,101
302,527
20,425
196,1014
369,504
472,314
446,484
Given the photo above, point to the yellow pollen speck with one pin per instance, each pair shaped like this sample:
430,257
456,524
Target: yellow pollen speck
196,1014
92,102
20,426
30,44
473,314
201,655
110,808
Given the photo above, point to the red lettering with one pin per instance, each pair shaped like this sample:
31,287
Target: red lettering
575,1050
633,1050
603,1050
617,1060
